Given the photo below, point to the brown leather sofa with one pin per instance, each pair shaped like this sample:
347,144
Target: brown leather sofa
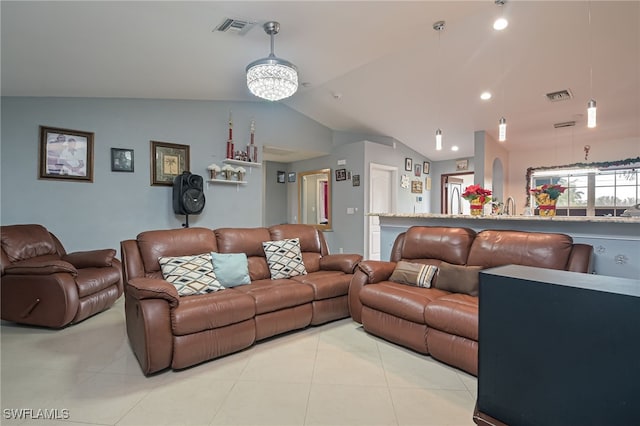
44,285
439,322
166,330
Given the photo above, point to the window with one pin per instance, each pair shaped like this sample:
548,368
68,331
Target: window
593,192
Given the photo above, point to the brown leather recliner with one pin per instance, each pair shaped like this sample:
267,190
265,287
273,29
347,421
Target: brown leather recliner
44,285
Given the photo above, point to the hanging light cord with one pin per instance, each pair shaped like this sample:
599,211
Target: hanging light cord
590,55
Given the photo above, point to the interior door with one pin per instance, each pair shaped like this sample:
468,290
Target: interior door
381,200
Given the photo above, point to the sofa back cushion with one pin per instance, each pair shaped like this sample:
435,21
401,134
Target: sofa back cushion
21,242
172,243
497,247
248,241
436,242
312,242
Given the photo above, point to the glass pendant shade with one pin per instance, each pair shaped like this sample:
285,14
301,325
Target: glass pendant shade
591,114
502,130
438,140
272,78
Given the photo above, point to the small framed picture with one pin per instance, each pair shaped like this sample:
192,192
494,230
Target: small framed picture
418,170
341,174
462,165
291,177
282,176
426,167
416,186
121,160
168,160
66,154
408,164
355,180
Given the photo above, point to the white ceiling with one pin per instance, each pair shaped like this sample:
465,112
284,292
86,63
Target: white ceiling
372,67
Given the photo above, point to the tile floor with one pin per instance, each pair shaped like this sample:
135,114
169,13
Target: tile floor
335,374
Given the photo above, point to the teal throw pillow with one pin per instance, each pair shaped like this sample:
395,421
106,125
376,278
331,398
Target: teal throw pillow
231,269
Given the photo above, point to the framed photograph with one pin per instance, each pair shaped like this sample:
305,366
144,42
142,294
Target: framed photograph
282,176
418,170
291,177
427,184
408,164
121,160
168,160
462,165
416,186
426,166
65,154
341,174
355,180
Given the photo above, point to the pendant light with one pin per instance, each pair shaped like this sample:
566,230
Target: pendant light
439,26
502,123
591,105
502,130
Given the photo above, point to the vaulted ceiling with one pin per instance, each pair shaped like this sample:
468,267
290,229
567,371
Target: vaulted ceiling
371,67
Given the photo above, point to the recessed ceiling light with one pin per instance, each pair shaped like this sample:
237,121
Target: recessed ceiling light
485,96
454,148
500,24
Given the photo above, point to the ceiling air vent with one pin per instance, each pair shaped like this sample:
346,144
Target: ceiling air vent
236,26
562,95
564,124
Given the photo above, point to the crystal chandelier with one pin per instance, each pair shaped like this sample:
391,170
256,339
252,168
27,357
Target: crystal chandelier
272,78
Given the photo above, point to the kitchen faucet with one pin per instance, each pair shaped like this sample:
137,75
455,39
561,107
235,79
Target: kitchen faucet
510,206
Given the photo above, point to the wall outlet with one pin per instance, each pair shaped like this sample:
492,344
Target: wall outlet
350,210
342,162
340,250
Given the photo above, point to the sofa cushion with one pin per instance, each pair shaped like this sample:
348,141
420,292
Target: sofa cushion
312,243
22,242
231,269
273,295
498,247
284,258
248,241
172,243
458,279
417,274
455,314
93,280
437,242
326,284
400,300
190,274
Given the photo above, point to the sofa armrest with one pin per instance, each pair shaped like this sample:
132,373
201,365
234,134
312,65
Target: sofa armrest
580,259
153,288
377,270
340,262
35,266
91,259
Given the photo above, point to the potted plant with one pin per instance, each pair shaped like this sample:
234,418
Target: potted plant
477,197
241,172
228,171
214,169
546,196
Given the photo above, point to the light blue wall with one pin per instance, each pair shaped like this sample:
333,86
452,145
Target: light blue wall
118,206
276,203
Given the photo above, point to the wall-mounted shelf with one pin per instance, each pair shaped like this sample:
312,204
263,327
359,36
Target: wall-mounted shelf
241,163
237,182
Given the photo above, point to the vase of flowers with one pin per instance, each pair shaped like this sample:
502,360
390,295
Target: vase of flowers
241,171
214,169
547,196
477,197
228,171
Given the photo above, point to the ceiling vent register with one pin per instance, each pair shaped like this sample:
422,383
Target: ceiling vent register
564,124
562,95
237,26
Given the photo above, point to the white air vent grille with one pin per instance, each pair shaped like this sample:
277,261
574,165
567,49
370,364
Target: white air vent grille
564,124
236,26
561,95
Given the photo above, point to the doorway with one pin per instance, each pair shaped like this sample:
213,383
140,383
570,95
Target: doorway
382,199
451,188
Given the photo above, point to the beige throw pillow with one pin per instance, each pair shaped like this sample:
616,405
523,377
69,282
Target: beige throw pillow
416,274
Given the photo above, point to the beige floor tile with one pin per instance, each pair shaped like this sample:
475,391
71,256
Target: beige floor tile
470,382
257,403
427,407
193,401
340,367
288,365
347,335
350,406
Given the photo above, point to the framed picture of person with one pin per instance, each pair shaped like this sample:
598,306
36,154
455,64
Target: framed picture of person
168,160
418,170
65,154
121,160
281,176
426,167
408,164
291,177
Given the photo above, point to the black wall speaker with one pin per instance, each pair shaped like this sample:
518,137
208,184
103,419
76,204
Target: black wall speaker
188,195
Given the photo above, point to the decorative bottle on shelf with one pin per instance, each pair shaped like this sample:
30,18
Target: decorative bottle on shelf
230,150
252,149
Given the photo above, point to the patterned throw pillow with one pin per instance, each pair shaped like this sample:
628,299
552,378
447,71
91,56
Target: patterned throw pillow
284,258
416,274
190,274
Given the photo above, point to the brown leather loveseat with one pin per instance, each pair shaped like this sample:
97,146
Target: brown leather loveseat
166,330
437,321
44,285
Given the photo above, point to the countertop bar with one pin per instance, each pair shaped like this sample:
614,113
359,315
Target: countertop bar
615,240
